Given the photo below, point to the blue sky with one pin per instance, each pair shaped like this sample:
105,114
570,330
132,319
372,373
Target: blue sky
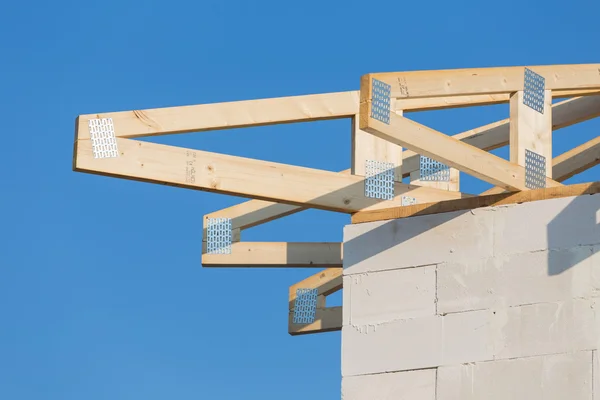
102,295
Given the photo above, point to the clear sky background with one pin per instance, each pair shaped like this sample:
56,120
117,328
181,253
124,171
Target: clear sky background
102,294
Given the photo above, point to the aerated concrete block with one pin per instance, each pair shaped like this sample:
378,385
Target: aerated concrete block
409,385
418,241
551,377
549,224
547,328
384,296
518,279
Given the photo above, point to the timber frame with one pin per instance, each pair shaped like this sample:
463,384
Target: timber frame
106,144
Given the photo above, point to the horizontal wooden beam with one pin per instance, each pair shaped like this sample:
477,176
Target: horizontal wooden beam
484,81
277,255
244,177
326,282
438,103
234,114
477,202
446,149
327,319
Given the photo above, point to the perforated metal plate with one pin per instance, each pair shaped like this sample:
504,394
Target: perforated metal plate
305,306
379,182
533,94
535,170
380,103
408,201
433,171
218,236
102,135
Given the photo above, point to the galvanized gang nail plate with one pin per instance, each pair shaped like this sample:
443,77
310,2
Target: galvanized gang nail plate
102,135
380,102
408,201
433,171
533,94
219,236
379,182
305,306
535,170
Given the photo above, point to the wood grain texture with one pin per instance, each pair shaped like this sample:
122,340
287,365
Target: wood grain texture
477,202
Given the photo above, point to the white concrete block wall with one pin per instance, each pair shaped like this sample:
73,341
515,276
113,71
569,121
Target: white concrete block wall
494,303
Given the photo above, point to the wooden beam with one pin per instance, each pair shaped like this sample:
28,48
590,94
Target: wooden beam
235,114
446,149
277,255
483,81
477,202
453,184
327,319
531,130
326,282
488,137
576,160
244,177
439,103
568,164
367,147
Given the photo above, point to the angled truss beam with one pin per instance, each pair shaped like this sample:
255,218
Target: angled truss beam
244,177
485,81
326,282
577,160
446,149
235,114
277,255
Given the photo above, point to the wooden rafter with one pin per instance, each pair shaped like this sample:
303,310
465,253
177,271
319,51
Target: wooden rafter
278,255
244,177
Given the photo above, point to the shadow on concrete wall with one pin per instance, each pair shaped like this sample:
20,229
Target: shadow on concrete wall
575,226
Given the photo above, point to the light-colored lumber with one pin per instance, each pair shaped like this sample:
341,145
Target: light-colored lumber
234,114
366,146
477,202
483,81
438,103
326,282
244,177
326,320
246,113
488,137
496,135
530,130
569,164
446,149
577,160
277,255
453,184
